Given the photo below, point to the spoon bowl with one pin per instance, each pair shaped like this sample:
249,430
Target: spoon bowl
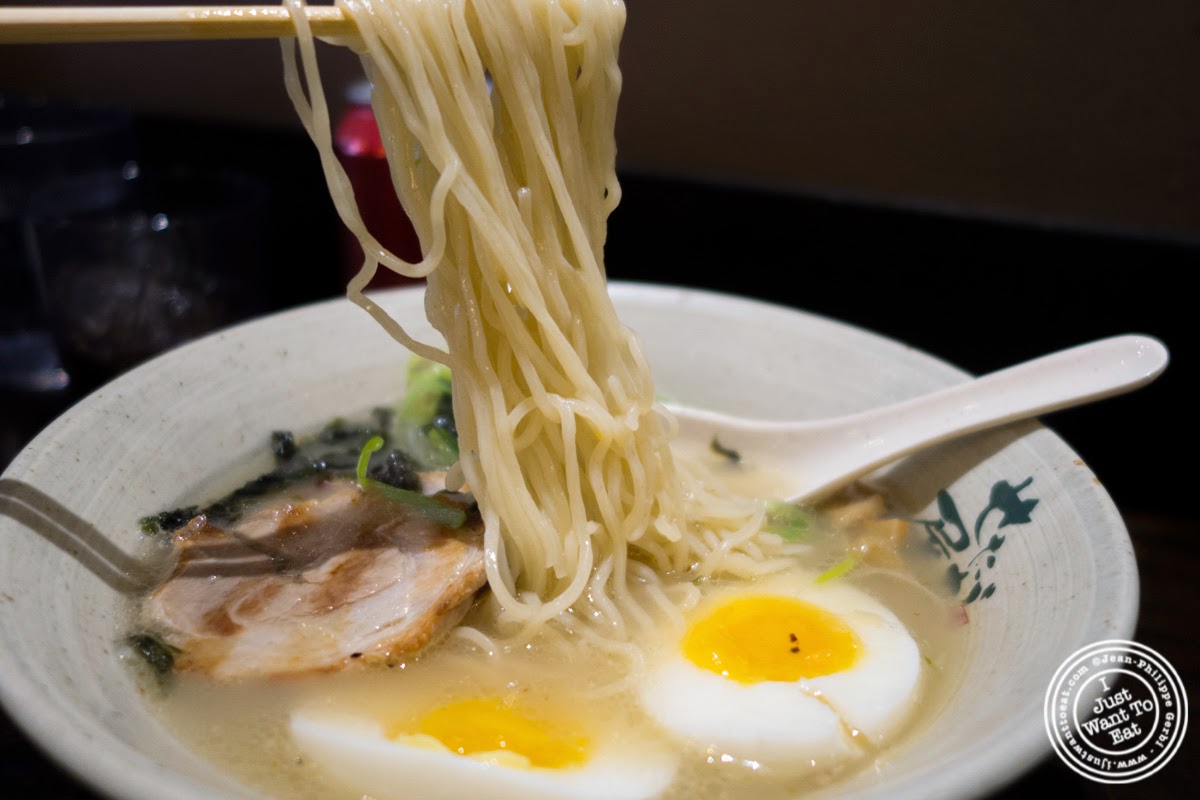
820,456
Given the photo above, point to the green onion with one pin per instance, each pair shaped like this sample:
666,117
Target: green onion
374,444
839,569
427,507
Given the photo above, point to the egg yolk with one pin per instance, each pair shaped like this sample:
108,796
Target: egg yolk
768,638
490,725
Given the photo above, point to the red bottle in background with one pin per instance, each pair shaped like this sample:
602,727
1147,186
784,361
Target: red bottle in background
360,149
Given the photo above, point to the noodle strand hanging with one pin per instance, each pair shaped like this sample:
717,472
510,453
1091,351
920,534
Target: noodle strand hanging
498,121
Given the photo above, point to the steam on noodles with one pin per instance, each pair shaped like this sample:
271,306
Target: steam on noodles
498,120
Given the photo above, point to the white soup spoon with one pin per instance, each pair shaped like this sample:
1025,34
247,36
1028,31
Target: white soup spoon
820,456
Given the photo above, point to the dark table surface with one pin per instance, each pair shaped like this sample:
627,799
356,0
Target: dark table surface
979,293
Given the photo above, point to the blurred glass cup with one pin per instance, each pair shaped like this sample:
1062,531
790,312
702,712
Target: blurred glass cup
135,262
42,140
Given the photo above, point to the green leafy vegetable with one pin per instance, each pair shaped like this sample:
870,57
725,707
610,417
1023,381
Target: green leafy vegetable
426,415
427,507
786,520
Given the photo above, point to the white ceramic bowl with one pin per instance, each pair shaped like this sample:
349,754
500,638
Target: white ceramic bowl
1063,577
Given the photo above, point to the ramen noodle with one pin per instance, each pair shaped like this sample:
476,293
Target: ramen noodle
498,121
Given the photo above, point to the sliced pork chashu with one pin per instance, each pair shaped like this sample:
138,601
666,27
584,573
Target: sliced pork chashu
314,583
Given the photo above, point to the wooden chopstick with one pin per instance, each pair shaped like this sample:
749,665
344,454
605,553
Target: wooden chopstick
31,25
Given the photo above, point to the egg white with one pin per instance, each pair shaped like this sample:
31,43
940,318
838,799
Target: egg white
355,751
749,724
792,724
878,693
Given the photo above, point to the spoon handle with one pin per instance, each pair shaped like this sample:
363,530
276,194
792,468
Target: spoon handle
861,442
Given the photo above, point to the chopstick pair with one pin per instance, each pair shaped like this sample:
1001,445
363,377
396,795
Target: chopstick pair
33,25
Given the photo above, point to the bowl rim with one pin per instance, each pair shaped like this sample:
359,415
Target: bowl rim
140,777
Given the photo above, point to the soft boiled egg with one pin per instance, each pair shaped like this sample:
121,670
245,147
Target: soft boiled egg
785,672
480,747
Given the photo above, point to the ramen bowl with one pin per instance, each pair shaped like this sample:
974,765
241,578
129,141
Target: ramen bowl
1033,551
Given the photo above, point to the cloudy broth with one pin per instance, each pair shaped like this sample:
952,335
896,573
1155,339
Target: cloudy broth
245,727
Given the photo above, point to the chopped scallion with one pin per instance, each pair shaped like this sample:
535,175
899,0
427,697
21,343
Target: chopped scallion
428,507
839,569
